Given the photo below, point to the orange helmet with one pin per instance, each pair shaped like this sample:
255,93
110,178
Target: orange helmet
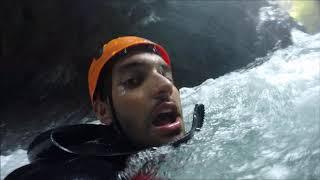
113,48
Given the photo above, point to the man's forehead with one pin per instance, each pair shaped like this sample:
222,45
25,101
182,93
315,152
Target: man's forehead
140,59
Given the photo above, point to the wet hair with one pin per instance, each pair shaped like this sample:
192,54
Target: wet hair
104,85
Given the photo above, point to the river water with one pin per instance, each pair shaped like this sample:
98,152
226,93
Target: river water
262,122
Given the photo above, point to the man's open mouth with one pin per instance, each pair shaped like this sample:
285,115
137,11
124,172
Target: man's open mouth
165,118
166,121
164,114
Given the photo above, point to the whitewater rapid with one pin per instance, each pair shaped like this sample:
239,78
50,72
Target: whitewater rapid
262,122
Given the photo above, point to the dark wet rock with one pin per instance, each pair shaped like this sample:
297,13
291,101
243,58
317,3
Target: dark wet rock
46,47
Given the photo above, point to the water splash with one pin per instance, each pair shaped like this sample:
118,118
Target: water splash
10,162
121,91
262,122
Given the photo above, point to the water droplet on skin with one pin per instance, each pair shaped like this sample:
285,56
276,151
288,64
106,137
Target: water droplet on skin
121,91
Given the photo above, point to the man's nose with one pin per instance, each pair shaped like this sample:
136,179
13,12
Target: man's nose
162,87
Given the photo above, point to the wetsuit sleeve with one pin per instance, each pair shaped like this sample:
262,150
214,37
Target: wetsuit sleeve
81,168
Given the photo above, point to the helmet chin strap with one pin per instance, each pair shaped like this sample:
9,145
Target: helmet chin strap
115,120
117,126
197,123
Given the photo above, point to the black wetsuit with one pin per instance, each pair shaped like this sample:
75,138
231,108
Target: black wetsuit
75,152
84,152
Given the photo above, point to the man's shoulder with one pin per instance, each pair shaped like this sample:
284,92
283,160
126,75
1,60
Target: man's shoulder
77,168
78,140
84,150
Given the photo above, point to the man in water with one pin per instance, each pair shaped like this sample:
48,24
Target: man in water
136,93
133,95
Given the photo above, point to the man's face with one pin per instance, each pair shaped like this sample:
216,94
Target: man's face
146,101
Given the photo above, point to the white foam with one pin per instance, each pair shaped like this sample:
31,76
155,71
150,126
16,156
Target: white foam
10,162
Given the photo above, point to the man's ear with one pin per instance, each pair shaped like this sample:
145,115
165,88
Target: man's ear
102,110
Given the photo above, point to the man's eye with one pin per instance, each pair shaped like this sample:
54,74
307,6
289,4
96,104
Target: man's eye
132,82
164,72
168,75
